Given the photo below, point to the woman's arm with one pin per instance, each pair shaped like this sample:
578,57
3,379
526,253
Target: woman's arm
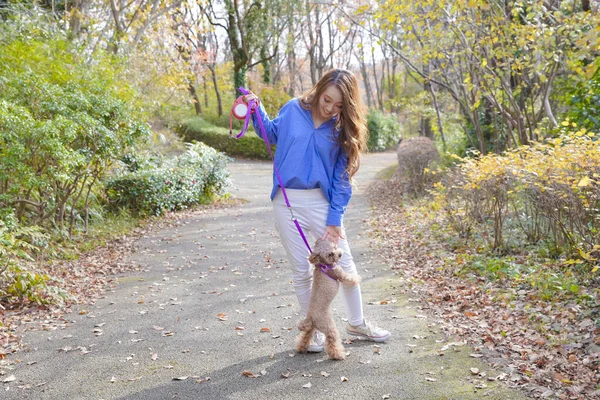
341,191
271,126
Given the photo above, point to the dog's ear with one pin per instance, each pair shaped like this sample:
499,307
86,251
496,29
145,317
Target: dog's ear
313,258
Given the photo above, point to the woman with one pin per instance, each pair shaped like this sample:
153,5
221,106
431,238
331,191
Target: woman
319,139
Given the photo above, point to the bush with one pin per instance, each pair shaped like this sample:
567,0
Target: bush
63,122
549,192
192,178
18,283
384,131
248,146
584,104
416,156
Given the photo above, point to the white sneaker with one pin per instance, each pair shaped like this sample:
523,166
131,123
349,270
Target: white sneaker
369,332
316,344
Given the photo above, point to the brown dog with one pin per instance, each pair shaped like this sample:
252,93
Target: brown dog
324,289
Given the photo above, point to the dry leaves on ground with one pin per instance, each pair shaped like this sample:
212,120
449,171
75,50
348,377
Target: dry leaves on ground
546,348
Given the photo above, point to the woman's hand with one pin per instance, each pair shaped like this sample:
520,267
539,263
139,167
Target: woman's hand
333,233
251,96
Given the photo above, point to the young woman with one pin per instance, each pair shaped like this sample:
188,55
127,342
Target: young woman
319,139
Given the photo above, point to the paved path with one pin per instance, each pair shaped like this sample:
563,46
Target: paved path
213,301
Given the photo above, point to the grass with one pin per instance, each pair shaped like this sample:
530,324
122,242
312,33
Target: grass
386,173
532,267
98,235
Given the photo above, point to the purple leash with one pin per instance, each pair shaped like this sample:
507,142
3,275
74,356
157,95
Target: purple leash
326,269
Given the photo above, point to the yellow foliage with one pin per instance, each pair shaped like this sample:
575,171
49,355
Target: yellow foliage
555,181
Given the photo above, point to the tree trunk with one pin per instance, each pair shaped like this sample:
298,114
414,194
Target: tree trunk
217,91
205,85
195,99
266,64
77,12
240,56
377,88
425,121
439,117
291,61
393,106
585,5
365,76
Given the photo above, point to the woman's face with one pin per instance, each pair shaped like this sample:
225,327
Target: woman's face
330,103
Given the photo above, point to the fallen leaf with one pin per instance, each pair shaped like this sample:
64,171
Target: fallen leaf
308,385
474,371
10,378
344,379
248,374
222,317
265,329
286,374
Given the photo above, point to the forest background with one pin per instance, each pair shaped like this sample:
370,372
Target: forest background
96,96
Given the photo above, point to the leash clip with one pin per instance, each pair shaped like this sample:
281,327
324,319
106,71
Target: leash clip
293,217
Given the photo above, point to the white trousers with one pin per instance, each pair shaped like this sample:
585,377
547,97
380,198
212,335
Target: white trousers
310,209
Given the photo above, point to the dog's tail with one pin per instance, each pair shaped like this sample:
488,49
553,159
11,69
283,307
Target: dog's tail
344,277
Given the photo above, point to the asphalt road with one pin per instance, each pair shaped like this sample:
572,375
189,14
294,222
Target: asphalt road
212,315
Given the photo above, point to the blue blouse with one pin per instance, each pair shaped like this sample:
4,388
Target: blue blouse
308,158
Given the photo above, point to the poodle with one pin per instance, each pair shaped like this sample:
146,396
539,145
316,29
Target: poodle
327,277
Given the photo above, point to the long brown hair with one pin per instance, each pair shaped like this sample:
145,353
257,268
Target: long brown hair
351,120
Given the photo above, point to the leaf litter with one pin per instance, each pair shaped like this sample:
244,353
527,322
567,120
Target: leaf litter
547,348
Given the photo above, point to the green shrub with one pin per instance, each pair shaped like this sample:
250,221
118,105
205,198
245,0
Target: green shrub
384,131
63,122
584,104
192,178
19,283
248,146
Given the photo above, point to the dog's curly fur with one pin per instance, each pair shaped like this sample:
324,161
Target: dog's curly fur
323,292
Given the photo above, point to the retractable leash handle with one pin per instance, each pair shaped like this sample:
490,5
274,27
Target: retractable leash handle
242,111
